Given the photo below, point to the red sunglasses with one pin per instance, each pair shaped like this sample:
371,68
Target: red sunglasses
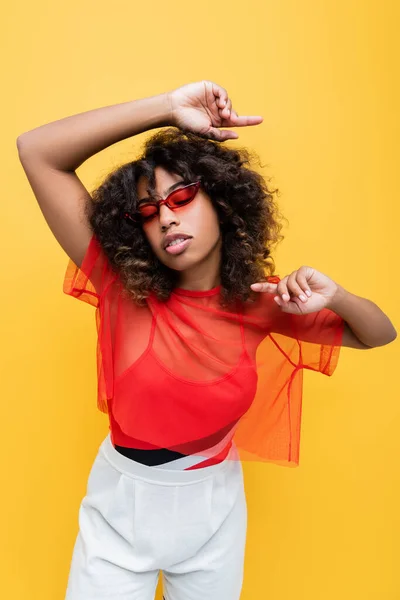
184,195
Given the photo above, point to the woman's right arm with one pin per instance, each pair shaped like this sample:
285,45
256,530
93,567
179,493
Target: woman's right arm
50,154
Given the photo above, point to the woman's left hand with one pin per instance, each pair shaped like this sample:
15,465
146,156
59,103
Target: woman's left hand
204,107
316,288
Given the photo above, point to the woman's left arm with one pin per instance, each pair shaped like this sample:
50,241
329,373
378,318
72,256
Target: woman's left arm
307,290
365,321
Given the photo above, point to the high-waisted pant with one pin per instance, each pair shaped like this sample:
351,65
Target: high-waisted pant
136,521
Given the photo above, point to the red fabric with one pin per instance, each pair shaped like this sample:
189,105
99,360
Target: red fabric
189,375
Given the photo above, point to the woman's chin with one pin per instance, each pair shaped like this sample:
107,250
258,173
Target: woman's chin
179,262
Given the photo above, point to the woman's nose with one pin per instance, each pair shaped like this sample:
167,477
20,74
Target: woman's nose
167,216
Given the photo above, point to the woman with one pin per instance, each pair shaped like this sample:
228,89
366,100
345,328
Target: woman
196,367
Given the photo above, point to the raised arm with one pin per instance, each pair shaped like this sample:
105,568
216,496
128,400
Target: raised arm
51,153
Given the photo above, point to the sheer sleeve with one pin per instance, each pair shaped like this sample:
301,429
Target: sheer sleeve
319,336
89,281
286,345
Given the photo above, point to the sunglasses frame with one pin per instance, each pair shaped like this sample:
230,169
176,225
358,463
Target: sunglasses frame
140,219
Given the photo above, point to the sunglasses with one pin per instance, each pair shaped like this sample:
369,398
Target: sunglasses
147,211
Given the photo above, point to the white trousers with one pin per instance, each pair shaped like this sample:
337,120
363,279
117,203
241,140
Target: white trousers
136,521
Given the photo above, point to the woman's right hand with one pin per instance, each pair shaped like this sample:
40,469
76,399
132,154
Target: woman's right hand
203,107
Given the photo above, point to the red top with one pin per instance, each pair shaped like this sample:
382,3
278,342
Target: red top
189,375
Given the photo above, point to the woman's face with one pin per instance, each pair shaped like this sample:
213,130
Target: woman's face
198,219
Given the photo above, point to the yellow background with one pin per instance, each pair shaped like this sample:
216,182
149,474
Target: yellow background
324,74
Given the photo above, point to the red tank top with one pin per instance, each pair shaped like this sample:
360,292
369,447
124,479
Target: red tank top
189,375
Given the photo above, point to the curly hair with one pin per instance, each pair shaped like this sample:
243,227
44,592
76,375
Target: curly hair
247,211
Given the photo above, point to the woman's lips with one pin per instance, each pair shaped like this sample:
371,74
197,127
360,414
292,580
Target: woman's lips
178,248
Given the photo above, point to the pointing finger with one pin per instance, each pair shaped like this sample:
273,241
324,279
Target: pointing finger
264,286
233,119
236,121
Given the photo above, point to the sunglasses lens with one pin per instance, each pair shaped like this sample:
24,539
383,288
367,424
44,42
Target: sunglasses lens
178,198
183,196
148,211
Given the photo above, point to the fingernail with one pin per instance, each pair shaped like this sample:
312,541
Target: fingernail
303,298
308,293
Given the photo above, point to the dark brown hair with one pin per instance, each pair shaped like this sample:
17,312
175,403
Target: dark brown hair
248,214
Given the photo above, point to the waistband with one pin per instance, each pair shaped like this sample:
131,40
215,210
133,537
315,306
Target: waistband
166,476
